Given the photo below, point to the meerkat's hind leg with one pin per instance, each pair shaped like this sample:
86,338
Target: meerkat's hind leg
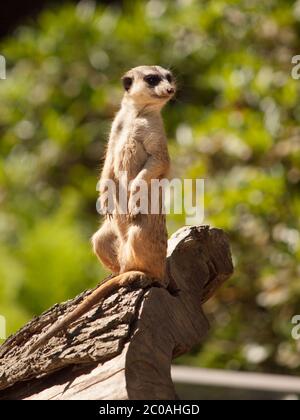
141,252
106,245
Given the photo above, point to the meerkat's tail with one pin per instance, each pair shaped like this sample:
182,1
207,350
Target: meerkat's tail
103,291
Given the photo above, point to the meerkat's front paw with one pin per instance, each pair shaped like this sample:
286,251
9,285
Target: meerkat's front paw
135,186
138,198
133,208
104,207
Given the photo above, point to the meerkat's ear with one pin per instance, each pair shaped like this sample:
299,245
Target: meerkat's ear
127,82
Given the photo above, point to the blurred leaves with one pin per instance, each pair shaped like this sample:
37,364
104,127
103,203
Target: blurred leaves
234,123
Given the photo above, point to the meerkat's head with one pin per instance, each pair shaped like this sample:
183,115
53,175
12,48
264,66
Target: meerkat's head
149,86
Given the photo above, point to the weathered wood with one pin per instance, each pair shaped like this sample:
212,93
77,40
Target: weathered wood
123,348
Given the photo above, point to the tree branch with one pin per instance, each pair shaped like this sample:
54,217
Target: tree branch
123,348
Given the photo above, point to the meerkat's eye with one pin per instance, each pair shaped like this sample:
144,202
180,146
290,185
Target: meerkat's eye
152,79
169,77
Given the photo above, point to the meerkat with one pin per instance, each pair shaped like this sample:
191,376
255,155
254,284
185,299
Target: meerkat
131,245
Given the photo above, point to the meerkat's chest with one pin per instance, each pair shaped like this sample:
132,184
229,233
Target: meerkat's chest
130,154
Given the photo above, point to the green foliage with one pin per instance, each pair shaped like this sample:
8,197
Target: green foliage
235,123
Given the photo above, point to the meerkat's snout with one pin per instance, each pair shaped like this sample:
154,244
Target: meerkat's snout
171,91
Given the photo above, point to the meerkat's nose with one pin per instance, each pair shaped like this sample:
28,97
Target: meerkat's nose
170,90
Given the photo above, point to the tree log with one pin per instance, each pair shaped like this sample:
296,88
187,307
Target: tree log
122,348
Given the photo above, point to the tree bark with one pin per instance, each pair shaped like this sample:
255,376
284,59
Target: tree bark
122,348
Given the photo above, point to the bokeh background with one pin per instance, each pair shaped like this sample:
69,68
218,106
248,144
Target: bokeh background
235,122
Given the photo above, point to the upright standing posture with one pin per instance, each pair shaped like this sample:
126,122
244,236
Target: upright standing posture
131,245
138,148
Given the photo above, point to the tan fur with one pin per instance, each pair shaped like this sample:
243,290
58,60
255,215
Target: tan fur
131,245
137,145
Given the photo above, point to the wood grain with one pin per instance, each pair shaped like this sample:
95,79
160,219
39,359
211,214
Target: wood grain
123,348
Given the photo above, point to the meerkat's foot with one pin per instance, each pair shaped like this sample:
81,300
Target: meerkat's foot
136,279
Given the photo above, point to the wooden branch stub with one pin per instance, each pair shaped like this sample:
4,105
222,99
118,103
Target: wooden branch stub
123,348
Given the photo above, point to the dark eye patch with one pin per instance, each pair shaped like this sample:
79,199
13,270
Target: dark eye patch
169,77
152,79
